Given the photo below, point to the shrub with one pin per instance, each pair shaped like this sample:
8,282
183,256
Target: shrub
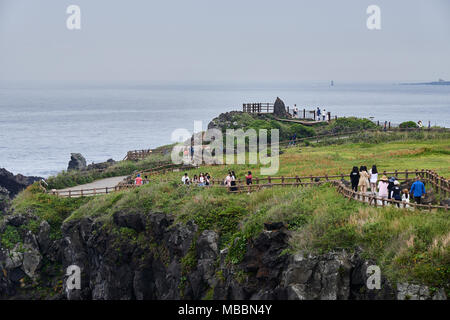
350,124
408,124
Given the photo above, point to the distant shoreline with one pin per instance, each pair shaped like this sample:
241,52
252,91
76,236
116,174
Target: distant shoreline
434,83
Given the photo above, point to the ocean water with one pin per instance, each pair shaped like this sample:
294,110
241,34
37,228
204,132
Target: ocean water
41,126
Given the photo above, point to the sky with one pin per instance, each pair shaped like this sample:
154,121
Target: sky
189,41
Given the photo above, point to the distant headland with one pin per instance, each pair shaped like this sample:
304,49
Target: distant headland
440,82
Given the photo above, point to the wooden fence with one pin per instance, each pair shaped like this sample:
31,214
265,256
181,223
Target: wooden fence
441,185
140,154
266,107
89,192
258,107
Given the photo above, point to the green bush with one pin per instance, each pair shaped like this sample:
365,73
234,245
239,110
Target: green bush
350,124
408,124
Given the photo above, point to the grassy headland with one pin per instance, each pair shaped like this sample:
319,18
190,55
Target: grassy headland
409,245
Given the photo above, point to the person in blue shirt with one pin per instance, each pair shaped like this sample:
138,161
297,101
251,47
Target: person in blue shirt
418,190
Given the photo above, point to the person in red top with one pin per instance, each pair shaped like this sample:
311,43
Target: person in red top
249,178
138,180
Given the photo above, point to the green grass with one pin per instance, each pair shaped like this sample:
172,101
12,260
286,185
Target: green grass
409,245
408,153
46,207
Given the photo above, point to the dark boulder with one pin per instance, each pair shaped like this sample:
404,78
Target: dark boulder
279,109
77,162
14,183
101,165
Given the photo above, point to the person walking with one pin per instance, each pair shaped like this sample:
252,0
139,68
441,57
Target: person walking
383,188
363,179
233,181
418,190
397,193
227,181
373,179
318,114
249,181
405,198
186,155
391,181
138,180
292,139
354,178
249,178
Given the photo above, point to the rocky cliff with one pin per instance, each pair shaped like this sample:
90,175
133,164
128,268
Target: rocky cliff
15,183
150,256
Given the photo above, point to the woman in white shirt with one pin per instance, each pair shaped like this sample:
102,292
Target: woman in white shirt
405,197
373,179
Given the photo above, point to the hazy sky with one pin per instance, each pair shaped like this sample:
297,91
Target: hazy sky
228,40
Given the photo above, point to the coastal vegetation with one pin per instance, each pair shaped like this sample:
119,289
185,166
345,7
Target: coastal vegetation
408,245
408,124
362,131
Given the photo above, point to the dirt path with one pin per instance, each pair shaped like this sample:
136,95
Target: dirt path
103,183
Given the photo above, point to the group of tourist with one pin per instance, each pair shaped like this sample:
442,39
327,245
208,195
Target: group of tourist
205,180
388,188
201,180
320,115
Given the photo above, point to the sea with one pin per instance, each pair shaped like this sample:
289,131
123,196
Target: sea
41,125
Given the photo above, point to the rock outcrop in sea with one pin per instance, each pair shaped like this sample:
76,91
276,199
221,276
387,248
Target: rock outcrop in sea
77,162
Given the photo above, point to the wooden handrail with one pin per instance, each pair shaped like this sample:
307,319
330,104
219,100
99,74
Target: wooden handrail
441,184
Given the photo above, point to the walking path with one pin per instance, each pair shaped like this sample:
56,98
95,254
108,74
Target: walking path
93,188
